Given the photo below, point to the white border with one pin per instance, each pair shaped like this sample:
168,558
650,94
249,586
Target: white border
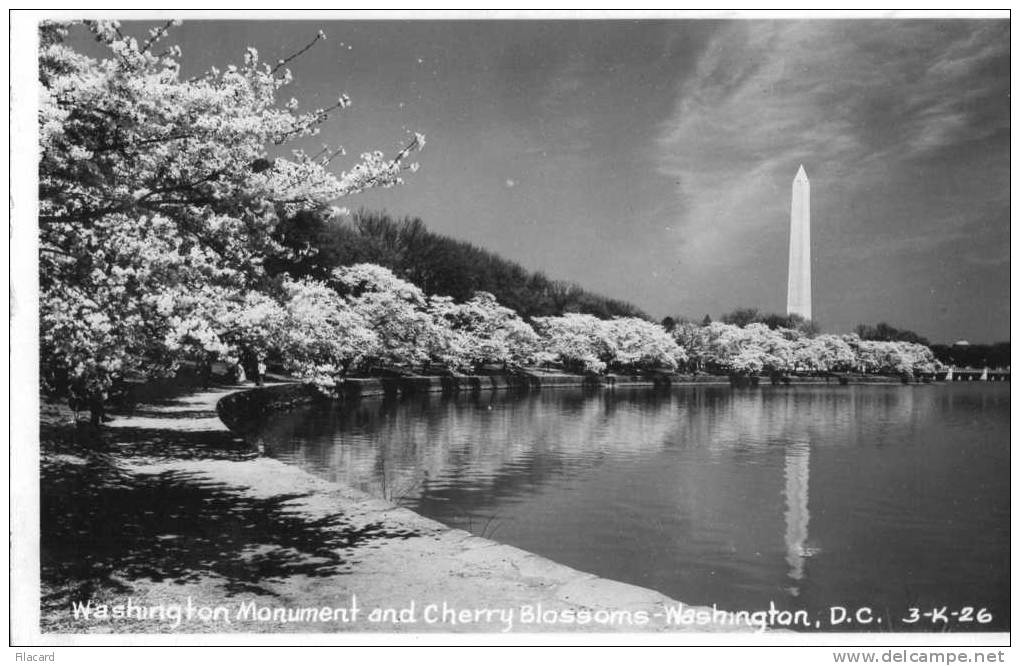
24,420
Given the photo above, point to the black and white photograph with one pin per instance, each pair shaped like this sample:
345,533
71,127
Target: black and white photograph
501,327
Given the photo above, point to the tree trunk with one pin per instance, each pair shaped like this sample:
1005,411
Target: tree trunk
249,361
97,411
205,372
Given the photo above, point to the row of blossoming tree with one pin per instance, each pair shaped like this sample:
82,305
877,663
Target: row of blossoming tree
365,318
755,348
158,199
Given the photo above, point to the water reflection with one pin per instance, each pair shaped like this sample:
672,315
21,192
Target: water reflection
797,515
703,493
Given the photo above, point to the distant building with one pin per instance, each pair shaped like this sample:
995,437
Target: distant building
961,343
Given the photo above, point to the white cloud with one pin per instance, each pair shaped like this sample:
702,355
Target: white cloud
853,101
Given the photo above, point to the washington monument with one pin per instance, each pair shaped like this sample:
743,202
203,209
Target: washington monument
798,293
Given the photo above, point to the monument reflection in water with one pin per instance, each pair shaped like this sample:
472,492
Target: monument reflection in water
797,516
891,497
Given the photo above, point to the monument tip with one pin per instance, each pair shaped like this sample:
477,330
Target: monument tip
801,173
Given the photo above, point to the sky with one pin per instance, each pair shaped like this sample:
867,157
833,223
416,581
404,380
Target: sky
652,161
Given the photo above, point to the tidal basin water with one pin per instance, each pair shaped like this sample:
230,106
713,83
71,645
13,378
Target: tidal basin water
888,497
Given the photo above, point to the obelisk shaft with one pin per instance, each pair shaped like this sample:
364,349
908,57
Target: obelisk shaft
798,293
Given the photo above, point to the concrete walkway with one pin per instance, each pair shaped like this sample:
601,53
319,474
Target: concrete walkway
294,545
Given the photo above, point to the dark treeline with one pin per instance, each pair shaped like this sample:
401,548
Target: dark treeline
966,355
973,356
436,263
743,316
886,333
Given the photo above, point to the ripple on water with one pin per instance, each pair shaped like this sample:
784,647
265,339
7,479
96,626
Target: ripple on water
808,496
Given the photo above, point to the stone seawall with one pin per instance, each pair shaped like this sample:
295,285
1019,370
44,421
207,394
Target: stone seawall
454,383
243,410
836,380
245,407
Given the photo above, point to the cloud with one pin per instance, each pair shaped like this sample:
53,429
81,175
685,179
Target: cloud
857,102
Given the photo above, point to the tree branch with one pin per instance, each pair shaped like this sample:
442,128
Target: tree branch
156,36
283,63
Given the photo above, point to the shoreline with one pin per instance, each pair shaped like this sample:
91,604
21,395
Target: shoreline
534,380
353,548
250,404
264,534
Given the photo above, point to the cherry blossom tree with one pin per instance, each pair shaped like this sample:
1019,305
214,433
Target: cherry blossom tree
450,346
728,350
868,356
905,358
755,348
578,341
584,342
481,331
750,350
641,345
396,310
211,323
323,337
778,346
909,358
150,184
709,347
823,354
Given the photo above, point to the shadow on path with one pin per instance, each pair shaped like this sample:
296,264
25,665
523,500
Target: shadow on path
103,527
